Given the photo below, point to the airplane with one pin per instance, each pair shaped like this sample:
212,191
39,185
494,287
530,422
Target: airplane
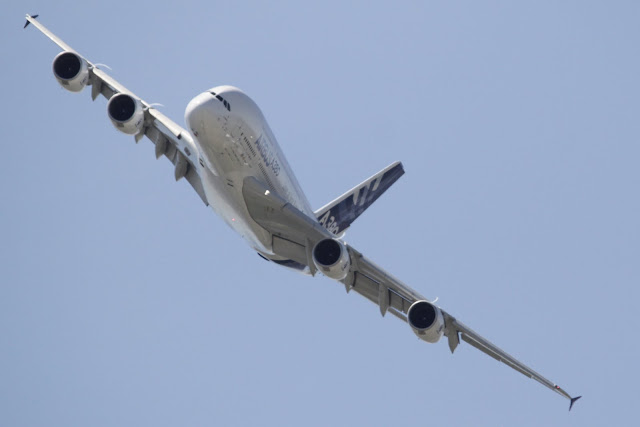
232,160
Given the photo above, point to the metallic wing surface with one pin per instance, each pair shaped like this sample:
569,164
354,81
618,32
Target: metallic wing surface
170,139
307,243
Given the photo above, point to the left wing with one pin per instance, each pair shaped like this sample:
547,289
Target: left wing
170,139
299,236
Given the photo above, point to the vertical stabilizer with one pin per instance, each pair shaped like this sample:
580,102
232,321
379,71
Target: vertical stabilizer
338,215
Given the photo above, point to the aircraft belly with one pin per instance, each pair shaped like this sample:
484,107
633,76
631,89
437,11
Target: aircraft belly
237,143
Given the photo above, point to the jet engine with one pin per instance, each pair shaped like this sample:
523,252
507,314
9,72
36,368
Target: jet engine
126,113
332,258
426,320
71,71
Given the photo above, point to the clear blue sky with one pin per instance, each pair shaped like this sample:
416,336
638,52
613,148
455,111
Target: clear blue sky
124,301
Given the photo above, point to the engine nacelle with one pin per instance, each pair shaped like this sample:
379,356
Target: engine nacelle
332,258
426,320
126,113
71,71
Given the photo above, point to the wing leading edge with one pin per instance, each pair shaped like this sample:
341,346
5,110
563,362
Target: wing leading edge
170,139
300,235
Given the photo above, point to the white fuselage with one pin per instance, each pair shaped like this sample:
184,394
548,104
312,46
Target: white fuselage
234,142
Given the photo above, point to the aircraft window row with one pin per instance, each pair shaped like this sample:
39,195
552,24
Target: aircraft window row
221,99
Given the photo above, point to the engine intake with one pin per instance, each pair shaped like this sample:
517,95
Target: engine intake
426,320
332,258
71,71
126,113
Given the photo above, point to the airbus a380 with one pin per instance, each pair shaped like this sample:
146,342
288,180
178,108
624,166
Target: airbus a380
232,160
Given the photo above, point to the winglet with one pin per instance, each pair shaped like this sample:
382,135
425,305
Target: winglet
573,400
29,22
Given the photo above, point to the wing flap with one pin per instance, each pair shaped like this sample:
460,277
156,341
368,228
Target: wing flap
108,85
368,268
477,345
373,290
496,356
474,339
169,144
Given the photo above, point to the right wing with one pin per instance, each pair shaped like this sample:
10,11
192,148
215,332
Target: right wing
295,235
170,139
393,296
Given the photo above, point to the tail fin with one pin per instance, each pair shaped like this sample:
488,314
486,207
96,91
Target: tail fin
338,215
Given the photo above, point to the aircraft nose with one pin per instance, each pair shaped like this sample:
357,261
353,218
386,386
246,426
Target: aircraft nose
202,106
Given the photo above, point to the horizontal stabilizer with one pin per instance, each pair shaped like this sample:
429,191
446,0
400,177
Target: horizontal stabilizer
338,215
